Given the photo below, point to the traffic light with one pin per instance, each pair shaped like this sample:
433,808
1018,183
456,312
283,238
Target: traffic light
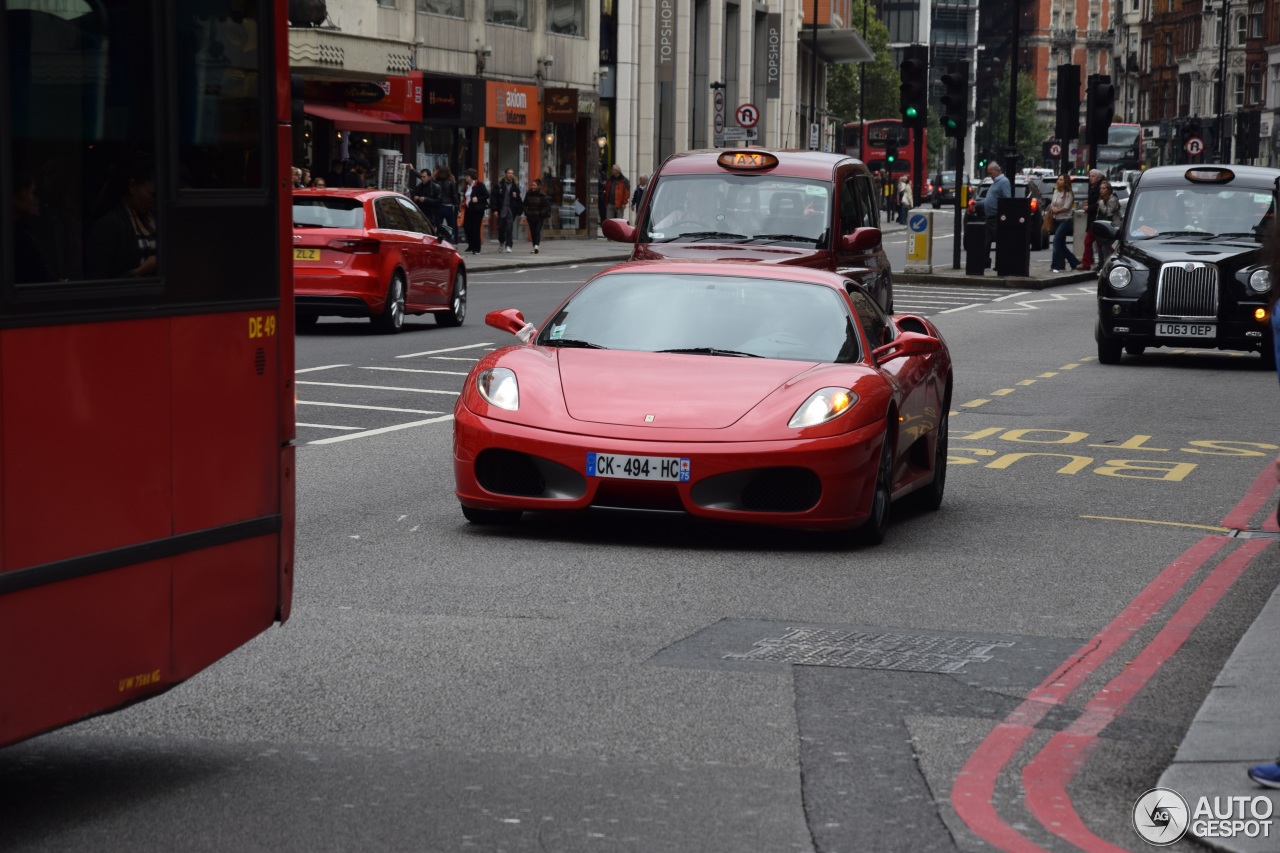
1100,109
915,86
1067,123
955,101
983,159
891,154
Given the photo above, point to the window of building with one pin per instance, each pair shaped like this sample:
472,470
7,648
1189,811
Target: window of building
1255,20
1255,86
388,4
449,8
1237,88
507,13
567,17
1241,29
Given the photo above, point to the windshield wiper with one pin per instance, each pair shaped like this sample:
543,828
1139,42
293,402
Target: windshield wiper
1163,234
712,351
1234,235
803,238
705,235
571,343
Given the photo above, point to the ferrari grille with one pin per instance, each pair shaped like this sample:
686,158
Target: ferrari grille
781,490
506,472
1187,290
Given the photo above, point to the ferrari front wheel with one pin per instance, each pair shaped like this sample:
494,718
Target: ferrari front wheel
873,530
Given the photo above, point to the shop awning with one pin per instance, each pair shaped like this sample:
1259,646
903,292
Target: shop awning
345,119
838,47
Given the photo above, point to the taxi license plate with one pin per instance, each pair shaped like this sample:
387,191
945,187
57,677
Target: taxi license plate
618,466
1185,330
306,254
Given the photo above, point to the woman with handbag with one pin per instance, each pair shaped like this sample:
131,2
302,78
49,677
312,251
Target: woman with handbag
1060,209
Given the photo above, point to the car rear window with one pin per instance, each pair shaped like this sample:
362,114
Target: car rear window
326,212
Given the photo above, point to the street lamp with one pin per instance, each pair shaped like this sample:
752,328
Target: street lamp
1224,17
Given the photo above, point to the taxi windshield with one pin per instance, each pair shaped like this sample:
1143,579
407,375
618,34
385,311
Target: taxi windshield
1200,212
753,208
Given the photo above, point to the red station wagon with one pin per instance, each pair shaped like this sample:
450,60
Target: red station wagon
803,208
371,253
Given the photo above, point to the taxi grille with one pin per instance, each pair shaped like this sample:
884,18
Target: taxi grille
1184,292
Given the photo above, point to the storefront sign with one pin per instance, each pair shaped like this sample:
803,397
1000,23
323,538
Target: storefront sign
453,101
560,106
666,47
512,106
773,56
401,99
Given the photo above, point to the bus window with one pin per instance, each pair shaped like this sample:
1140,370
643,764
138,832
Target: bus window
81,100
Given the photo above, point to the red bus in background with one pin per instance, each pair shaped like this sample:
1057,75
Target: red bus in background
868,141
146,347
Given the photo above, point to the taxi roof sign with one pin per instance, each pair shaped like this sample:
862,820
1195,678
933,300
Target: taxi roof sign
1216,175
747,160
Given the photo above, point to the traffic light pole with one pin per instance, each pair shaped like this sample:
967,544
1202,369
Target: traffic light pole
957,239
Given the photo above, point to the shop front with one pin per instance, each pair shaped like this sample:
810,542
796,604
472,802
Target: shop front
364,123
453,114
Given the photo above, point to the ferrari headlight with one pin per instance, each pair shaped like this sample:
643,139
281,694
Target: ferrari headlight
498,386
1260,281
823,405
1119,277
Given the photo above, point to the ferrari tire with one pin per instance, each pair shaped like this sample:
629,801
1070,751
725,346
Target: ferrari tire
873,530
496,517
930,497
391,320
457,302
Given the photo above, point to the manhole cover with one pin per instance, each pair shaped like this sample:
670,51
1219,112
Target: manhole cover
871,650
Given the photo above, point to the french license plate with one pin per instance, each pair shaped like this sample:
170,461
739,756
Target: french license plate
1186,330
617,466
306,254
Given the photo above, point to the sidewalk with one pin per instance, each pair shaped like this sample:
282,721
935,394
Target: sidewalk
1239,723
598,250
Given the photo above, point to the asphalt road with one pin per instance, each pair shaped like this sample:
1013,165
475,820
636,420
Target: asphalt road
624,683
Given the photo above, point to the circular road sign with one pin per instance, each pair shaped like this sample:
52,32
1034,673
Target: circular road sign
748,115
1194,145
1055,149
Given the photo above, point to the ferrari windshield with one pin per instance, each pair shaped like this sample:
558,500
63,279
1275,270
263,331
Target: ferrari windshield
738,208
707,315
1200,212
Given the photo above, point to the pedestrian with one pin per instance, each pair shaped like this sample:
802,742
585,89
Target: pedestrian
1108,211
617,194
991,203
318,184
477,205
536,211
337,173
1268,775
506,202
449,199
426,195
906,199
352,176
1060,208
295,175
637,195
306,177
1091,213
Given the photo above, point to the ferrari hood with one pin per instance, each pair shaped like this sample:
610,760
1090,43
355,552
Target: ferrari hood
728,252
674,391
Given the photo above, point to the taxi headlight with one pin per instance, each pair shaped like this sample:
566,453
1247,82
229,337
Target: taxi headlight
1260,281
823,405
498,386
1119,277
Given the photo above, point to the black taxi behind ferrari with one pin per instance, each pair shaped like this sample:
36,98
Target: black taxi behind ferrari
1188,267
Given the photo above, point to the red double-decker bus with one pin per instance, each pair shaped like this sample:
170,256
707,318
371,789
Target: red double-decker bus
870,141
146,347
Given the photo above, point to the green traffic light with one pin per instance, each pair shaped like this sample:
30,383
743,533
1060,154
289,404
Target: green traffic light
912,112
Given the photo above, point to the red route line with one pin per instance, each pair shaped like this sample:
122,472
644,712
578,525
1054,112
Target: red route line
973,792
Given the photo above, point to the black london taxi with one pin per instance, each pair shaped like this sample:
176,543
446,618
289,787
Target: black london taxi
805,208
1189,268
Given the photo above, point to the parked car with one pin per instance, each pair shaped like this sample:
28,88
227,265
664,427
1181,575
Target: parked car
765,394
1188,267
371,253
1023,188
791,208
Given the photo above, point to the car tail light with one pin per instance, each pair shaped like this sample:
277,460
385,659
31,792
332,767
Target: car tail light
355,245
1035,205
